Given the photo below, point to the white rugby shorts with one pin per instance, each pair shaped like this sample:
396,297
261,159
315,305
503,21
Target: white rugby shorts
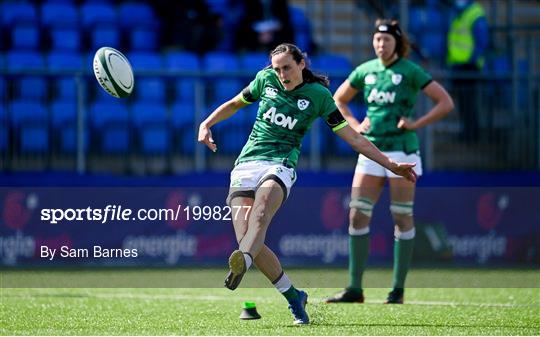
369,167
247,177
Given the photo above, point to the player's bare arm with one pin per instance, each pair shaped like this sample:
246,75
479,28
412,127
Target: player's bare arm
344,94
224,111
362,145
443,105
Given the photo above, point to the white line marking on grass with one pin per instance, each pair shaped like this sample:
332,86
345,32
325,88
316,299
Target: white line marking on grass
264,299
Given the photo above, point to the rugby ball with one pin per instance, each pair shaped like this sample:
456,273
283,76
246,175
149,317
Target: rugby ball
113,72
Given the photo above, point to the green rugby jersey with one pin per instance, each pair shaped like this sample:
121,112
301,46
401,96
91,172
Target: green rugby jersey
390,93
284,117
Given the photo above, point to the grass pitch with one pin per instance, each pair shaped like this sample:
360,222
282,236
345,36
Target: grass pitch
215,311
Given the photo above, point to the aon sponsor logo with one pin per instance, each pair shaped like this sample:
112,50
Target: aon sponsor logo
280,119
381,97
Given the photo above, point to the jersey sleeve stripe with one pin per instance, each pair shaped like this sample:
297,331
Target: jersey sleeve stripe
426,84
245,100
340,126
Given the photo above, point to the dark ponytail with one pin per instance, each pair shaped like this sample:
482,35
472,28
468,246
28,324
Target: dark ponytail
308,75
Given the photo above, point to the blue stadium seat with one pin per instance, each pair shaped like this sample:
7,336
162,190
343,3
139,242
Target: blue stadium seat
65,86
105,36
148,87
254,61
223,88
34,139
65,39
4,131
109,121
152,127
95,13
331,63
226,89
64,126
143,39
31,88
230,140
143,60
25,36
14,12
184,88
152,89
24,60
30,122
65,60
59,14
183,114
220,62
302,28
183,123
432,43
136,14
3,89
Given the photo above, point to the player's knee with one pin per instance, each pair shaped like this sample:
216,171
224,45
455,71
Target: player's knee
362,205
402,209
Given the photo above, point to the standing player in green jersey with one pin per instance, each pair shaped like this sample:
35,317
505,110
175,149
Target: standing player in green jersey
291,99
390,84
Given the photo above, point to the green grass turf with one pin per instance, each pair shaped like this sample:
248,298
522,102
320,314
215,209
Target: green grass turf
215,311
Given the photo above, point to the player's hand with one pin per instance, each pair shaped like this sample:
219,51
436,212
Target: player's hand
364,126
205,136
406,124
405,170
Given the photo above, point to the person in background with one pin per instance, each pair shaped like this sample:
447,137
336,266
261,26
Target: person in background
390,85
265,24
467,41
291,99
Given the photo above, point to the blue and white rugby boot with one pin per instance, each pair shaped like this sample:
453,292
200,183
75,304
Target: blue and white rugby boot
298,308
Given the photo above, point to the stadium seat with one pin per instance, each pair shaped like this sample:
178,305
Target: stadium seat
15,12
302,28
230,140
432,43
184,88
4,131
94,14
24,60
109,121
65,86
59,14
31,88
65,39
143,39
331,63
64,60
220,62
64,126
152,89
183,123
144,60
3,89
152,127
25,36
105,36
253,62
183,114
30,122
34,139
136,14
